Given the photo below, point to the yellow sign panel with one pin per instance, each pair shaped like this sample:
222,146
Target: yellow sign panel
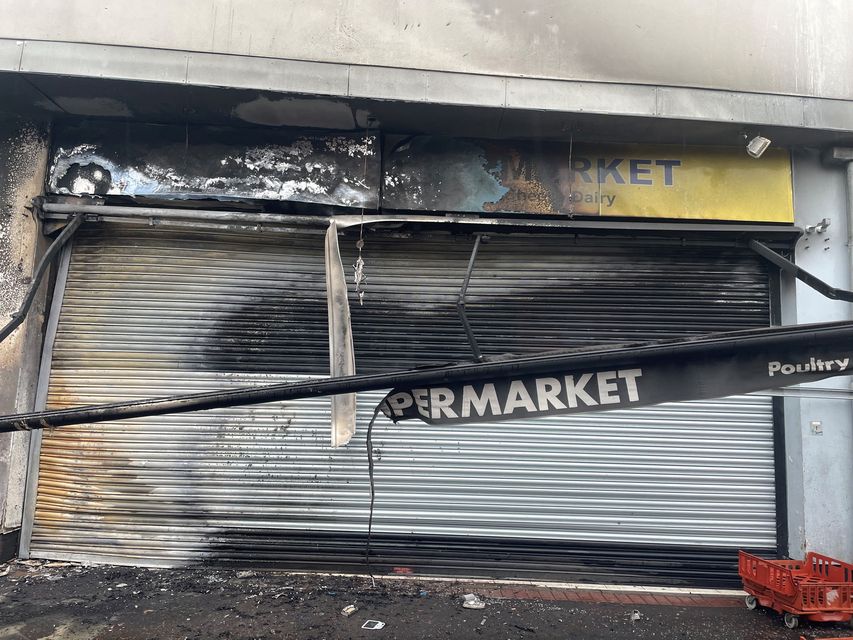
713,183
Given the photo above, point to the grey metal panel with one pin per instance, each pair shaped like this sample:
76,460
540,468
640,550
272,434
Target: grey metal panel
154,312
295,76
722,106
396,84
591,97
426,86
96,61
831,114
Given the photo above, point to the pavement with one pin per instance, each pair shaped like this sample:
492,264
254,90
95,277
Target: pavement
64,601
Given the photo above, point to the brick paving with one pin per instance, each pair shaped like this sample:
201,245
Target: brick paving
596,596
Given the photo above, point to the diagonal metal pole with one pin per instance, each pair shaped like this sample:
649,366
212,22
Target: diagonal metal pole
46,260
824,288
460,303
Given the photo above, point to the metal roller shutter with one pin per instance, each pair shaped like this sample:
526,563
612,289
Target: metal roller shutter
648,494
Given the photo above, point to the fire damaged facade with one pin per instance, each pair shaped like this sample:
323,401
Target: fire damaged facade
234,217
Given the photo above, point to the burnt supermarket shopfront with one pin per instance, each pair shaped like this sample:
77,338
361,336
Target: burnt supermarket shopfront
577,245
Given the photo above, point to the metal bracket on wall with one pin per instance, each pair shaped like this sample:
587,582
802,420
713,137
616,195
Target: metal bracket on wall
460,302
800,274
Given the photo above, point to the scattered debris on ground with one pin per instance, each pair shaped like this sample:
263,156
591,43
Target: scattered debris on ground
373,625
66,601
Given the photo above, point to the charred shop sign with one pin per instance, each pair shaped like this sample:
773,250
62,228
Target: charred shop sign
651,181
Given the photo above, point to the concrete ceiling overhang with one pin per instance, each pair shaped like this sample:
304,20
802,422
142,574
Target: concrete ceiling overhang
52,80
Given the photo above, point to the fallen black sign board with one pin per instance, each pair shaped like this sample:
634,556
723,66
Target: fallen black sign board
633,380
562,382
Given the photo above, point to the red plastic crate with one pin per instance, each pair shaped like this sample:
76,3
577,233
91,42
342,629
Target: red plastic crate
819,588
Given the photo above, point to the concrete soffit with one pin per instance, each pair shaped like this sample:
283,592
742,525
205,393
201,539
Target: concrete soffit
419,86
